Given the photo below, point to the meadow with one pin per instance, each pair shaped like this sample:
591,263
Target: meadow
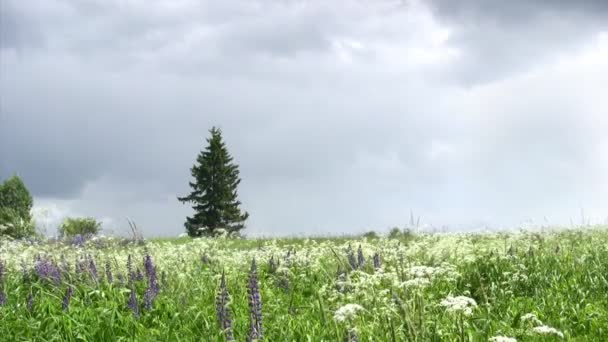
522,286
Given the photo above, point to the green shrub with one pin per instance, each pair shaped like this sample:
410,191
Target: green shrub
395,233
73,226
398,233
15,206
370,235
14,226
407,234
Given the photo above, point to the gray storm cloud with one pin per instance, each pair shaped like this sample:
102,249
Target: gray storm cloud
342,115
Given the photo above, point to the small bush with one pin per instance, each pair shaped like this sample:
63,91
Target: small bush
84,226
398,233
407,234
370,235
395,233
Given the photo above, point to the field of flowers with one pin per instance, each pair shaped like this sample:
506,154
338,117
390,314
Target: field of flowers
542,286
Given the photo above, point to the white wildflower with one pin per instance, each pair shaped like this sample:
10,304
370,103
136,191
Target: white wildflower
546,330
531,317
416,282
422,271
347,312
460,304
502,339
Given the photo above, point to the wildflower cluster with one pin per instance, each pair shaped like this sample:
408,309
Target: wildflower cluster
459,304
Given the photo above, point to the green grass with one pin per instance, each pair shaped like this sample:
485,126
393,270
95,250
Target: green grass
561,277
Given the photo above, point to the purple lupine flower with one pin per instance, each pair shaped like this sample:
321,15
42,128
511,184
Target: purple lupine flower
93,269
130,274
377,264
138,275
1,270
109,277
78,240
66,299
151,272
132,304
148,266
256,330
153,289
351,258
47,270
360,258
148,298
30,302
2,298
24,272
223,310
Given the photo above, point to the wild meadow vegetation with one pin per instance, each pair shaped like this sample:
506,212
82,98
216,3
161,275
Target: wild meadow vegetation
525,286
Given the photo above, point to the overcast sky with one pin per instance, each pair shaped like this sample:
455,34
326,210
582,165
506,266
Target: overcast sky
343,115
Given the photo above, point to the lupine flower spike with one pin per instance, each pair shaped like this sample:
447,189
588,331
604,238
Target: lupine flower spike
93,270
130,274
223,310
46,270
377,264
1,270
351,258
109,277
360,258
66,299
152,289
30,302
256,331
138,275
132,304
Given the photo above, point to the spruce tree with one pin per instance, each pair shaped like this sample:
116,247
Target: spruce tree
214,191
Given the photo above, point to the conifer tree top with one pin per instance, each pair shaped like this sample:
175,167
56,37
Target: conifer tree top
214,191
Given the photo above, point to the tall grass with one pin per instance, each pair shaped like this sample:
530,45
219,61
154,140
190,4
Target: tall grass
446,287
